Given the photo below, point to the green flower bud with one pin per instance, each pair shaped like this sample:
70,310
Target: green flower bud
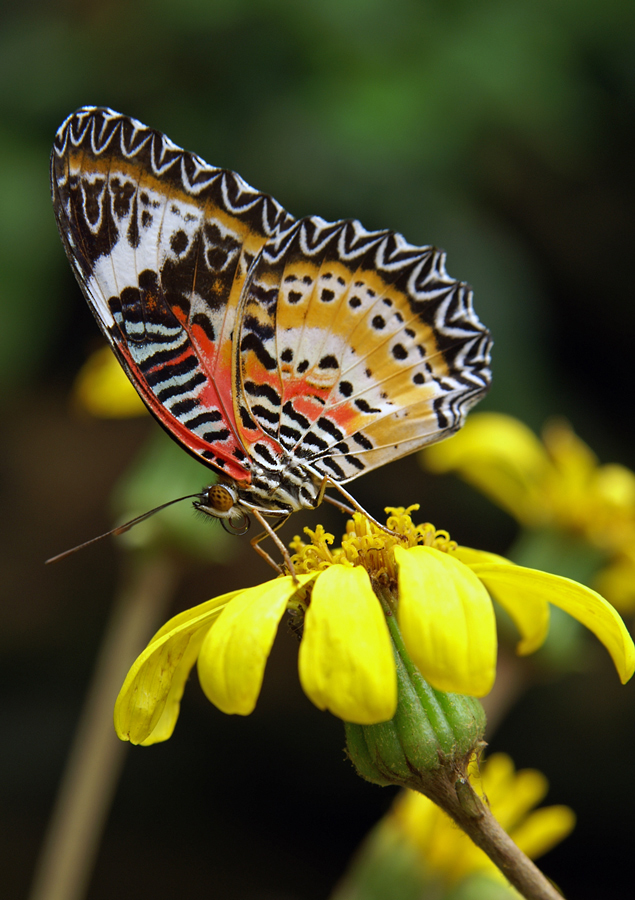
429,731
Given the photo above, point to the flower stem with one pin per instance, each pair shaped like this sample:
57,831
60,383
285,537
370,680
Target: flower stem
97,757
473,816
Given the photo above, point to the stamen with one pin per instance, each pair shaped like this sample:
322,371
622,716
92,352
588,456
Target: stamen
366,545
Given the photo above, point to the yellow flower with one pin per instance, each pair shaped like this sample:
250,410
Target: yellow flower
343,602
103,389
557,483
447,854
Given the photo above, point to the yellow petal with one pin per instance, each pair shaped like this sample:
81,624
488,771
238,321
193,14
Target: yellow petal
528,788
519,585
528,609
574,460
615,485
543,829
470,557
103,389
231,663
501,457
167,720
346,659
494,777
447,621
153,688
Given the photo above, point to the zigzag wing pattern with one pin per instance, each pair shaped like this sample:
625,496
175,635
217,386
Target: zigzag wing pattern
161,244
356,347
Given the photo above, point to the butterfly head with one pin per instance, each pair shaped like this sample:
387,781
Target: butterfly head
221,502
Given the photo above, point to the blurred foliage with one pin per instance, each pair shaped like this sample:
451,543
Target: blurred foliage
501,130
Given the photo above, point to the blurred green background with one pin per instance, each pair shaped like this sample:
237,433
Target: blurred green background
500,130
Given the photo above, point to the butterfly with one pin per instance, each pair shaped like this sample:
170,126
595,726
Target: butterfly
288,355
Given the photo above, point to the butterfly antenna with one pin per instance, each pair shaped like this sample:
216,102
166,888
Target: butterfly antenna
120,529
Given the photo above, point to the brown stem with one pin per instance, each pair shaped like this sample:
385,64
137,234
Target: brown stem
97,756
458,799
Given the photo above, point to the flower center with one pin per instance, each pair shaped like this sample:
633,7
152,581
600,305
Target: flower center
366,545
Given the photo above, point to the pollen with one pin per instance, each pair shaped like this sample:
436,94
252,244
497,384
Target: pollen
365,545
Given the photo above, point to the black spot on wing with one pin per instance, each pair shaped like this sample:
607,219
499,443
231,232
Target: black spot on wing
122,194
246,419
133,236
441,417
174,390
291,413
183,407
333,466
399,352
291,433
162,369
312,440
330,428
251,342
263,390
365,407
263,413
179,242
204,418
265,453
362,440
215,437
205,324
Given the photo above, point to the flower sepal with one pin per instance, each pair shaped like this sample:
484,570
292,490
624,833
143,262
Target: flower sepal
430,730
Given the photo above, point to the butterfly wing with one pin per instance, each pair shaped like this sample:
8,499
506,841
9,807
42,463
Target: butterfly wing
161,244
356,347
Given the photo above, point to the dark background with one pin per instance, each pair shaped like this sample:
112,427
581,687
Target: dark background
500,130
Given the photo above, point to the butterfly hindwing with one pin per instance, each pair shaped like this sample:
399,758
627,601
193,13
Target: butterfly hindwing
161,244
355,347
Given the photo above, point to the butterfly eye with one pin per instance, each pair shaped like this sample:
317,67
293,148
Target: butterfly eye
220,498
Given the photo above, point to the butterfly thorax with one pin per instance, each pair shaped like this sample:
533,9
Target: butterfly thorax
272,491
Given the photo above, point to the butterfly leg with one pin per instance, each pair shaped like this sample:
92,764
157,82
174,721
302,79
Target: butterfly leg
356,506
326,482
271,532
339,505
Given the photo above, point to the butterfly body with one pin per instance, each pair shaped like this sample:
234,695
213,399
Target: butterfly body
284,354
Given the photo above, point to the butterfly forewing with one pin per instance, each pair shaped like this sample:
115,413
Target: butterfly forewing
356,347
161,244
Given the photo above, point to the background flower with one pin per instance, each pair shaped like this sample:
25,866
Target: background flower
557,485
423,853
